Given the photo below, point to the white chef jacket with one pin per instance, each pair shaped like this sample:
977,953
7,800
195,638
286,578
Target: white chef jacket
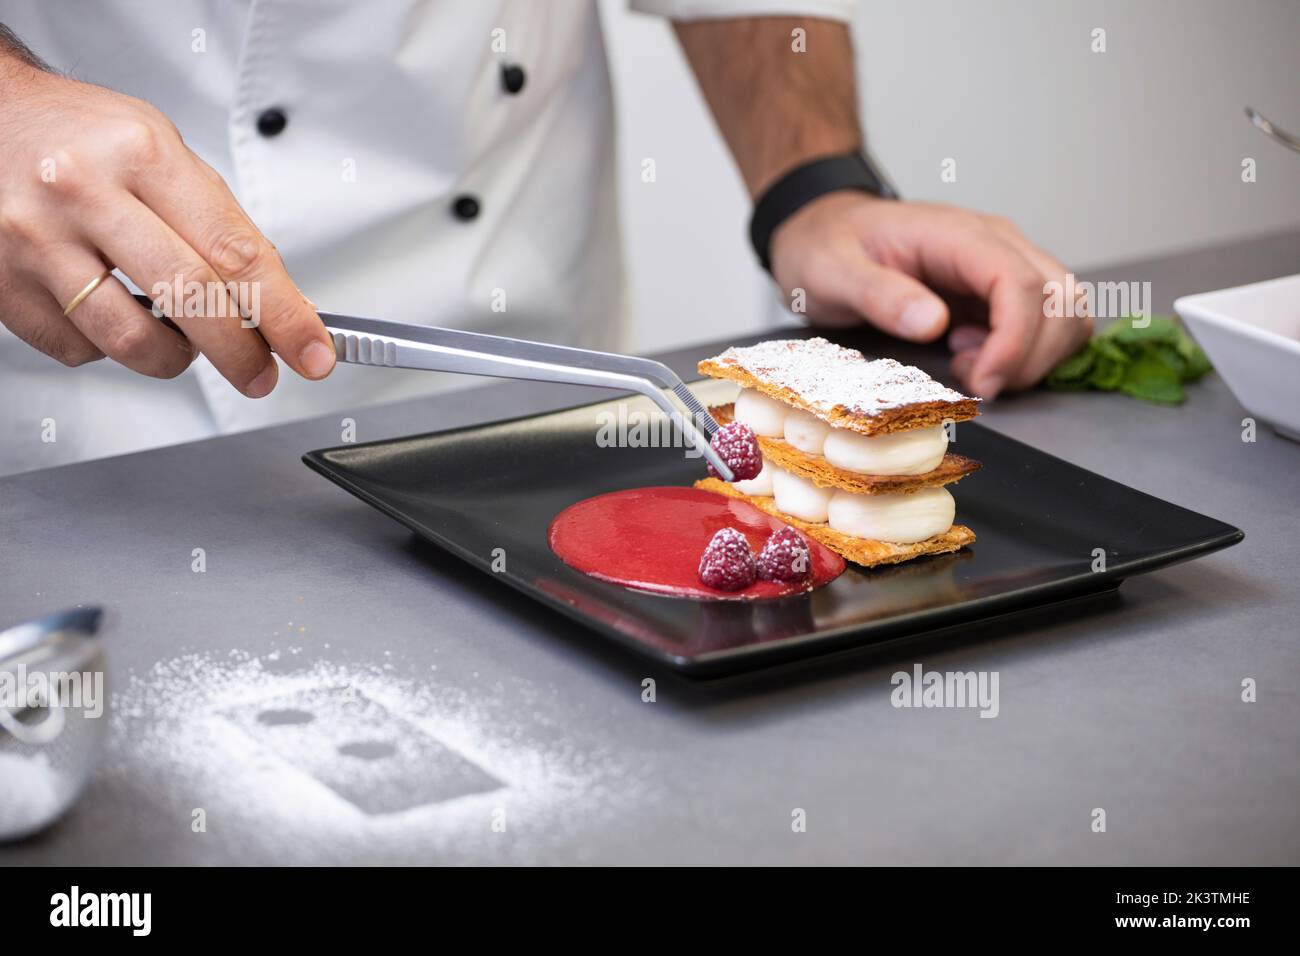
395,110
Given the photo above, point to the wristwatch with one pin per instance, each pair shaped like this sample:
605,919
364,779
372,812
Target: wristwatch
807,182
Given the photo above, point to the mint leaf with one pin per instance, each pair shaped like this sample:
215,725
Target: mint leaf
1107,374
1168,355
1156,329
1149,362
1110,349
1197,362
1150,379
1074,370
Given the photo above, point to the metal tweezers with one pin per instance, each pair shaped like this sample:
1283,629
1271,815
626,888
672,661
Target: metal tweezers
386,344
1272,129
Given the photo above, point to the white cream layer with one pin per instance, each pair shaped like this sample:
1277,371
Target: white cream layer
760,484
806,431
799,497
766,416
902,519
912,452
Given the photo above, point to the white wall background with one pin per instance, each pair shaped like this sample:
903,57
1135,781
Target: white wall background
1098,156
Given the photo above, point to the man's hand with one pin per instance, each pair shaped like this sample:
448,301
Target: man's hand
91,179
861,258
781,104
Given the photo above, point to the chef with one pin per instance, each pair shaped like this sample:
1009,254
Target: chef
448,162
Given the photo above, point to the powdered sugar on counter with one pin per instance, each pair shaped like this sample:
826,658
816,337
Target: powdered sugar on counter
828,376
296,760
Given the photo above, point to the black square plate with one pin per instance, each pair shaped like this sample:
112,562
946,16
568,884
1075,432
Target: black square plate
1038,520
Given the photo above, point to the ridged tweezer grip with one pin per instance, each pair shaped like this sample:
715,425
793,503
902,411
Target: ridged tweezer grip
364,350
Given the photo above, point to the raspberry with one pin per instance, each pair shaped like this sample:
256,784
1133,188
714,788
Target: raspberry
785,557
738,446
727,563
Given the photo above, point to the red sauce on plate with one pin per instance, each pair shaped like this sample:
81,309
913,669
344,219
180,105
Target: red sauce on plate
652,538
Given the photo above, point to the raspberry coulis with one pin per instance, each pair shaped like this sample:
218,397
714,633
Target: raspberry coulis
651,539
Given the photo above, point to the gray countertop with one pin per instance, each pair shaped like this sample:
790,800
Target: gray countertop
527,740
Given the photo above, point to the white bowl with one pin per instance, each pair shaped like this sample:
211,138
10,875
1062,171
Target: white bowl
1252,335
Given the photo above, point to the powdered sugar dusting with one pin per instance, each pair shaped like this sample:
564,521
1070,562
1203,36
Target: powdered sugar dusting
827,376
727,563
738,446
294,761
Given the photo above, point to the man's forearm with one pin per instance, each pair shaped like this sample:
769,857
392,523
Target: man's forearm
780,100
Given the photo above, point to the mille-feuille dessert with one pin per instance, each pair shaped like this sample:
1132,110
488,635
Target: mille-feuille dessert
855,452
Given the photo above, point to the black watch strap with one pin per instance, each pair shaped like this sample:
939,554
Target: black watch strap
805,183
